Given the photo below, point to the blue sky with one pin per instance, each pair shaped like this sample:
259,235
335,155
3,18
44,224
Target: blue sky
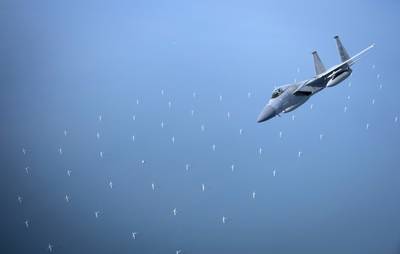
65,63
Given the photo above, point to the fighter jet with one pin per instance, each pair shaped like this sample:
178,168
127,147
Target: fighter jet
287,98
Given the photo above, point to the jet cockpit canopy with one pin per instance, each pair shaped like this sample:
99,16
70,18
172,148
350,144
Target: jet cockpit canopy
278,91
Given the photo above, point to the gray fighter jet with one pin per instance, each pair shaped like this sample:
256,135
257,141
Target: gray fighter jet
286,98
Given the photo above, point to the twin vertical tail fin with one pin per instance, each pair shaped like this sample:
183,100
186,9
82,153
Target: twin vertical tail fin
319,66
344,56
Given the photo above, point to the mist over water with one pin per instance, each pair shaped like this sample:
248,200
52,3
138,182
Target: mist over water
154,106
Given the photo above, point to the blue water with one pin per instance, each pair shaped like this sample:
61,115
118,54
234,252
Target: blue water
64,64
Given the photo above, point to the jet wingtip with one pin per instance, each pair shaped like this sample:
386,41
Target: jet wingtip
336,37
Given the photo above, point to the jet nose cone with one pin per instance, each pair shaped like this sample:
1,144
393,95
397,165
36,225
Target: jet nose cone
267,113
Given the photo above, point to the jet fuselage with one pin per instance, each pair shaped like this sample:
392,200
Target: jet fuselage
283,103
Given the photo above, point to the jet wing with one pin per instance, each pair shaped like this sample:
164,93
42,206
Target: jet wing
310,86
348,62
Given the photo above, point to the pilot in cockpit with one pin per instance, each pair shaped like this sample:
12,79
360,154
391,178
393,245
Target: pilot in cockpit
276,93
